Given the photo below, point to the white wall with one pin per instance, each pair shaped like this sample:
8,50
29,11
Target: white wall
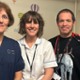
48,10
77,29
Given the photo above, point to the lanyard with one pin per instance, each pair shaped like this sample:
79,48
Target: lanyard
73,35
32,59
57,46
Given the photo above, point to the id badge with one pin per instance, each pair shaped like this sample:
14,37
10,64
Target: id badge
56,76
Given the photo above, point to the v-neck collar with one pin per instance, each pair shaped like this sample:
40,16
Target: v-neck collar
23,43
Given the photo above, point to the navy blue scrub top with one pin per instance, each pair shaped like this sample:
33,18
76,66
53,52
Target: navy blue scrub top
10,59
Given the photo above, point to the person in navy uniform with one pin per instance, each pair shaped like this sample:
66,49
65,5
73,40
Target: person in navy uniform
11,62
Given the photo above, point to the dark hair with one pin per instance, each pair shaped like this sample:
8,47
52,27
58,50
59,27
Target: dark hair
65,10
8,11
36,17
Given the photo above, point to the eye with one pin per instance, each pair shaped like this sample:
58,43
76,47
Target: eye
5,17
68,20
61,20
35,22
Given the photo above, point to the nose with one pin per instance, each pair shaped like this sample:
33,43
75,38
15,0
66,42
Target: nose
64,23
32,24
1,19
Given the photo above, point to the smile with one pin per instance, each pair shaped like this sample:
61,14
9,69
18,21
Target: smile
1,25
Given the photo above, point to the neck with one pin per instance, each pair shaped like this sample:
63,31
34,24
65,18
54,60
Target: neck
30,40
1,38
66,35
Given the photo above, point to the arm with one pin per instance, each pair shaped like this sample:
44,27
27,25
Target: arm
19,63
48,74
18,75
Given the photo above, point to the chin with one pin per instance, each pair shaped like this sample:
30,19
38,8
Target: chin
1,31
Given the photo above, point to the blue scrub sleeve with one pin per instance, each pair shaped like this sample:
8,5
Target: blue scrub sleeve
19,63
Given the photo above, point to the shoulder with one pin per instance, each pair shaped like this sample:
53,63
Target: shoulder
53,39
45,41
76,40
10,41
21,40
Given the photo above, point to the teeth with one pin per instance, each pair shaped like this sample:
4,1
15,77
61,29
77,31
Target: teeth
31,30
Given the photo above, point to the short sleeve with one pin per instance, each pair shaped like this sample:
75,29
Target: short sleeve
19,63
49,57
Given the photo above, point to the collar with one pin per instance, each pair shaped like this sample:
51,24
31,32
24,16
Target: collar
38,41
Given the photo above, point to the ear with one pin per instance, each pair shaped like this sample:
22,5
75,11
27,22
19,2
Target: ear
74,23
57,23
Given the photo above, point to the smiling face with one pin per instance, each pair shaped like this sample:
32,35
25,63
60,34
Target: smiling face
32,28
4,20
65,24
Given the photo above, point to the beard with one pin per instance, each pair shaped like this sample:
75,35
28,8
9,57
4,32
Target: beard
68,33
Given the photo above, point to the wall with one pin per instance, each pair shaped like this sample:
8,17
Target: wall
77,29
47,8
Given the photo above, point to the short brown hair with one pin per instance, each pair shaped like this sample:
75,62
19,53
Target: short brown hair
8,11
65,10
35,17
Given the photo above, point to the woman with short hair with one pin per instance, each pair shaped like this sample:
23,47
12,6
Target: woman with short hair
37,52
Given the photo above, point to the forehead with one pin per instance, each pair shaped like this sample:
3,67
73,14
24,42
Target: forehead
32,18
2,11
65,15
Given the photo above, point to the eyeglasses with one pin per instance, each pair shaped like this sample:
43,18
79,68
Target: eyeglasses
4,17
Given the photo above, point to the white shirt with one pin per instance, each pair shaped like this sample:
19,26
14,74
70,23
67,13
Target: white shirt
44,58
